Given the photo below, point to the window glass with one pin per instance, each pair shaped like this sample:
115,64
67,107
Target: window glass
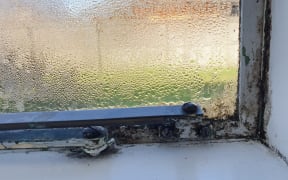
88,54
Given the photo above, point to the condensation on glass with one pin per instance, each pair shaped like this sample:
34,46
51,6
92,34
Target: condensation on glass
87,54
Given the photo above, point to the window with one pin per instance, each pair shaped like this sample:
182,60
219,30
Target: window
85,54
71,55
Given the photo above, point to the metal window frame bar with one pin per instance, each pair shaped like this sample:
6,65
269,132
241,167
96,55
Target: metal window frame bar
100,117
253,60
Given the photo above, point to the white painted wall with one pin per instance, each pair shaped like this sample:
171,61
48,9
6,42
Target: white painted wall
278,124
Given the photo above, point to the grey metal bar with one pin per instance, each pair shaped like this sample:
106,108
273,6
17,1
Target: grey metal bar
100,117
41,134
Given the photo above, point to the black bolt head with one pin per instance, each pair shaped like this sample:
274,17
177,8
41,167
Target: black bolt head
189,108
94,132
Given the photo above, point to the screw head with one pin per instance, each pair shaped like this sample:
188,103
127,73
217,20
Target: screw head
189,108
94,132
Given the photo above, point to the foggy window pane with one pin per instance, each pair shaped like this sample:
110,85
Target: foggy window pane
88,54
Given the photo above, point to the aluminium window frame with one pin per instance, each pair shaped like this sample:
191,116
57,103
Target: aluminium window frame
253,87
252,106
